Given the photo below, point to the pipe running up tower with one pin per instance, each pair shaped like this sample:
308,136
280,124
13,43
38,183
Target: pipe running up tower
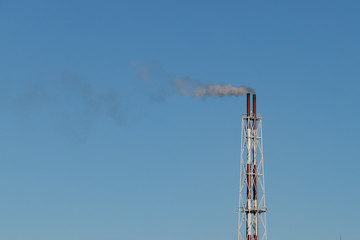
252,210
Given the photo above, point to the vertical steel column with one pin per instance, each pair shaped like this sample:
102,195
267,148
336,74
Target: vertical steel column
255,204
248,168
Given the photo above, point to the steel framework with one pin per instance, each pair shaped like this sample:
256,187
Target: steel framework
252,210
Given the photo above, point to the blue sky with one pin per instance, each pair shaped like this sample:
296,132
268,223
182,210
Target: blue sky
88,150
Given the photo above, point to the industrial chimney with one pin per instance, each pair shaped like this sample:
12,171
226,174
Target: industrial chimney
252,210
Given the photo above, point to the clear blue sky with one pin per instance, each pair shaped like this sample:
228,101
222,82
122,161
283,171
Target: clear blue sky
88,150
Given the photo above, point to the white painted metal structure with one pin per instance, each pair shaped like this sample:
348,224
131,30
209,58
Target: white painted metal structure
252,210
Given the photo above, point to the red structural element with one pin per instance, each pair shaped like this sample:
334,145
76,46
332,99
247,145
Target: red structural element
254,158
248,104
254,110
254,104
254,154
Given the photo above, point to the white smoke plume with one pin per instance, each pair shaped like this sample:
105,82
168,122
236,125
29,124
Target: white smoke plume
186,87
189,87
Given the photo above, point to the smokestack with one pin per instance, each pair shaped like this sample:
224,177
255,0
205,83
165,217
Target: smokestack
255,198
254,110
254,105
248,167
248,104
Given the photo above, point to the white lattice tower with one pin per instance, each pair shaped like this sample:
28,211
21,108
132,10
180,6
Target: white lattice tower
252,210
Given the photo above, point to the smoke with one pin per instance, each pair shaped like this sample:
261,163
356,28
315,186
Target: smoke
94,103
187,86
144,70
71,97
105,102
